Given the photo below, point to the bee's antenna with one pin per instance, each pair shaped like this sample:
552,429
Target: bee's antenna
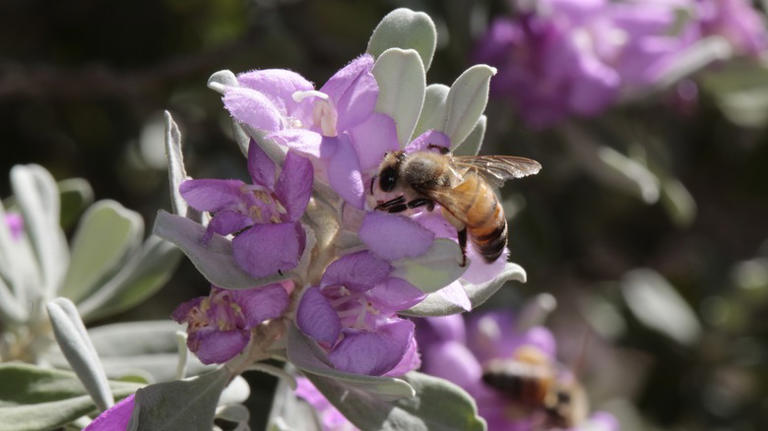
373,178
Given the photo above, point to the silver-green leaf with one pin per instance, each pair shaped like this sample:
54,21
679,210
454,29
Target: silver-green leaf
406,29
438,405
466,102
435,305
402,82
214,260
107,234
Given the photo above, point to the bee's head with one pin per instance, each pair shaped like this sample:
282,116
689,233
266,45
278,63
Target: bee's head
389,171
569,407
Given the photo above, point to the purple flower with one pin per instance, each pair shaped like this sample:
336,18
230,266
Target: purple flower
336,125
330,418
219,325
115,418
351,314
574,58
737,21
263,215
459,353
15,224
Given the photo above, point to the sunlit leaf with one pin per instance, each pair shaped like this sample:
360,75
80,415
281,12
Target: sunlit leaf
406,29
402,82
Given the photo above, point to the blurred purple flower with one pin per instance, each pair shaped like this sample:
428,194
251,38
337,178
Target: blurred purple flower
737,21
458,352
574,58
336,125
15,224
351,314
264,215
219,325
331,418
115,418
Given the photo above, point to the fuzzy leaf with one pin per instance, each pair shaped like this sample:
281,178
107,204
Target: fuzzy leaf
181,405
406,29
434,110
107,234
290,412
214,260
141,277
471,145
75,195
73,341
402,82
303,353
434,305
438,405
466,102
38,199
33,398
657,305
436,268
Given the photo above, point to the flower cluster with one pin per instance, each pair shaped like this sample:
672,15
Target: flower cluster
576,58
372,265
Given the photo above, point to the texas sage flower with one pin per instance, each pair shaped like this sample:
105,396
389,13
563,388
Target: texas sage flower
575,58
219,325
736,20
264,214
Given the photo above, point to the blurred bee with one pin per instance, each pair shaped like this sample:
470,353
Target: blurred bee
537,387
462,185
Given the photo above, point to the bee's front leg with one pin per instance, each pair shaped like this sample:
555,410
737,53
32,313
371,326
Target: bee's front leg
420,202
395,205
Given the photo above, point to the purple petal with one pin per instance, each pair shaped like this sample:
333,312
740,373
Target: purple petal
225,222
343,169
411,360
541,338
436,223
181,312
395,295
359,271
260,166
393,237
278,85
265,249
373,138
479,271
115,418
353,91
295,184
373,353
440,329
261,303
427,139
253,108
214,347
316,318
452,360
212,194
302,140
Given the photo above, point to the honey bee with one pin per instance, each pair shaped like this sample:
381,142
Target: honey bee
462,185
538,387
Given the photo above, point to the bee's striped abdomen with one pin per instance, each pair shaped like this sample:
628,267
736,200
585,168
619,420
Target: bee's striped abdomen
486,224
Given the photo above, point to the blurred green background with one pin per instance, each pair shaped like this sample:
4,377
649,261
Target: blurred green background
83,85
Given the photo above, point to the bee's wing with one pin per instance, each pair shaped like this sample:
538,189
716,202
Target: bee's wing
498,169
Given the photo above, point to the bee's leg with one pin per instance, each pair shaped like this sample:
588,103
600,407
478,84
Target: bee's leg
462,234
420,202
440,149
400,200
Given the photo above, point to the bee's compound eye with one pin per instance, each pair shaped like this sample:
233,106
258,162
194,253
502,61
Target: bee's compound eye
388,179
